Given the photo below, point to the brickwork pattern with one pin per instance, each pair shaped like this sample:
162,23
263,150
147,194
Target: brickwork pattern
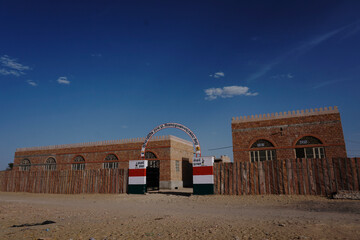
166,148
284,130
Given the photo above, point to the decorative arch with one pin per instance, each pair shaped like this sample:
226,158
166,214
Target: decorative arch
111,157
172,125
308,135
150,155
262,139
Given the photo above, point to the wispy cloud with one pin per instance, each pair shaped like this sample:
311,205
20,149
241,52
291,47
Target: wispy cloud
96,55
32,83
283,76
10,66
5,72
262,71
227,92
323,84
63,80
217,75
306,46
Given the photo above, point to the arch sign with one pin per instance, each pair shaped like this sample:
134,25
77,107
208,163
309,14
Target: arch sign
203,179
172,125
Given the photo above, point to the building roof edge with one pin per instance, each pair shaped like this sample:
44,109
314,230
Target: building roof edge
289,114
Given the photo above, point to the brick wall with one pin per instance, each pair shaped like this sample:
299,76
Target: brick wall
167,149
283,130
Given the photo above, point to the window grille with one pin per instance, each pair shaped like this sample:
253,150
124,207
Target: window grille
177,166
50,164
79,163
111,165
25,165
309,152
258,155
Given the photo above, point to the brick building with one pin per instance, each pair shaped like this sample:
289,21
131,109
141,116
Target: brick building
170,155
302,134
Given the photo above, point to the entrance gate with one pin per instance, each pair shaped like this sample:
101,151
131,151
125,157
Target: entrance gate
153,175
203,181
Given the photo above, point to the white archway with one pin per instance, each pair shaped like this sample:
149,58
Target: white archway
172,125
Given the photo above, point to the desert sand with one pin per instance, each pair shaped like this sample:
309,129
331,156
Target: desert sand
167,216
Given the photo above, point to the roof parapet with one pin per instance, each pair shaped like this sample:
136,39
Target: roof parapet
289,114
103,143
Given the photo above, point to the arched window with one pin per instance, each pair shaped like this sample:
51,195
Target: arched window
152,163
25,165
50,164
79,163
314,149
262,150
111,164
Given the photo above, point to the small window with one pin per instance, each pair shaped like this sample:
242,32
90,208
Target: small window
258,154
111,164
50,164
25,165
177,166
79,163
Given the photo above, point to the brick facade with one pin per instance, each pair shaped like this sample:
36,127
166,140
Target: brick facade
167,149
284,130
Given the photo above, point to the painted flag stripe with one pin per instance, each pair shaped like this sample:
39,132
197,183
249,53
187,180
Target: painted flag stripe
203,179
137,180
203,170
137,172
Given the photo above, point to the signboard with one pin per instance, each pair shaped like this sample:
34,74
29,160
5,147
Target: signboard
171,125
203,161
137,176
203,175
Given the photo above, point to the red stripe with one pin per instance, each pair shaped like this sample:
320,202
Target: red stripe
203,170
137,172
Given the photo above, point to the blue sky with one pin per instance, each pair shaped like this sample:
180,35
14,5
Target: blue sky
80,71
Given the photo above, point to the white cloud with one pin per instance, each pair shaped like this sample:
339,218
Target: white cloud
63,80
227,92
10,66
32,83
217,75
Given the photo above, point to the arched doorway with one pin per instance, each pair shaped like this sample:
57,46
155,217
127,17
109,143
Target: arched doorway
177,171
203,178
152,171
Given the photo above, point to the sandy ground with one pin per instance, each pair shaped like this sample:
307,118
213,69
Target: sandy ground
164,216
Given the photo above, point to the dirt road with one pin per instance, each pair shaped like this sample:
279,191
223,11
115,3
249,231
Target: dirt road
162,216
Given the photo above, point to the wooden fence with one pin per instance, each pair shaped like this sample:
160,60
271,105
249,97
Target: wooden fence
299,176
65,182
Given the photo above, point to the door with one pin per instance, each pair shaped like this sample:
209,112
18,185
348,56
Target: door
153,175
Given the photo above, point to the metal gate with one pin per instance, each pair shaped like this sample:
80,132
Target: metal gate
153,175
